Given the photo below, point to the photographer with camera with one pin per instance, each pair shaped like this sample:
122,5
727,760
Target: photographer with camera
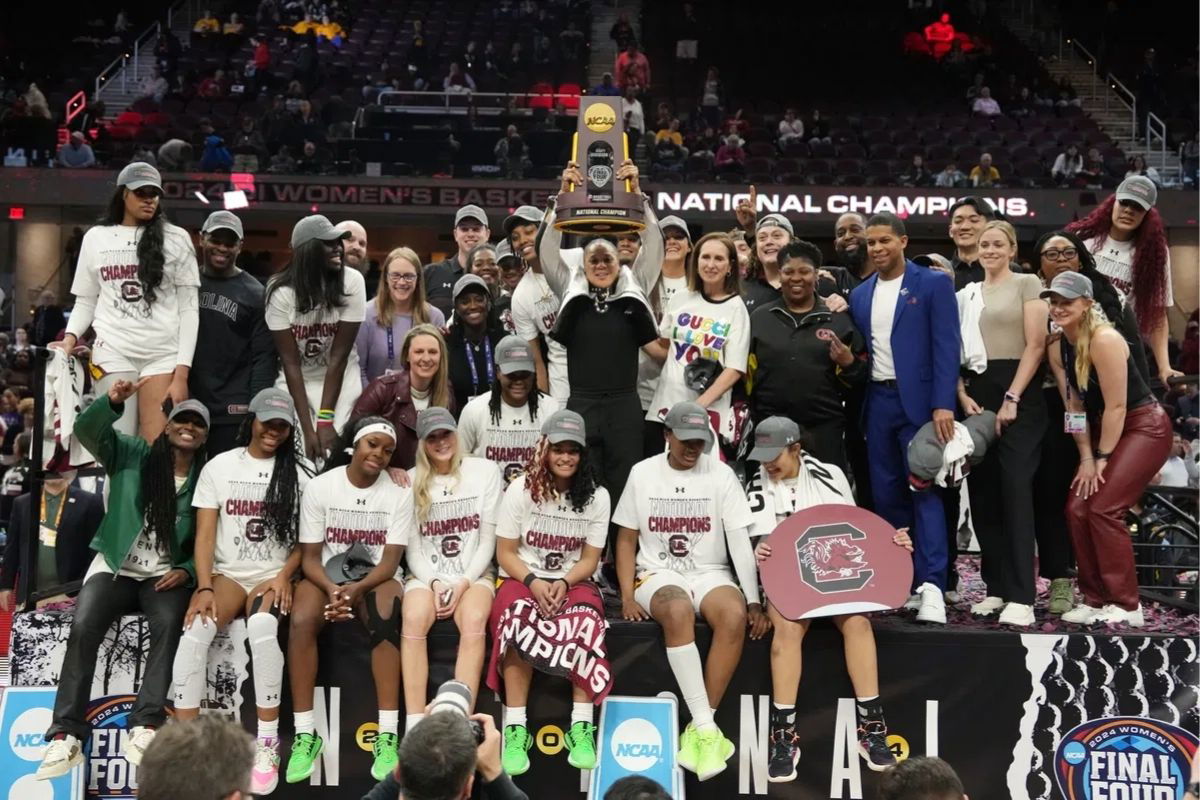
449,756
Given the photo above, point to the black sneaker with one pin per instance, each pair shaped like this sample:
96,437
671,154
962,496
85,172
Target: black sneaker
784,754
873,747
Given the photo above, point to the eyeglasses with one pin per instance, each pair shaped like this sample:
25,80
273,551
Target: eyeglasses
406,277
1065,254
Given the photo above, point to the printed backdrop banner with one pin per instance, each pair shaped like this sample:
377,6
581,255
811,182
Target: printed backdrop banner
995,704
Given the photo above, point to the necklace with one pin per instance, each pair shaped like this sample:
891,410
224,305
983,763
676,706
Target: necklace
600,299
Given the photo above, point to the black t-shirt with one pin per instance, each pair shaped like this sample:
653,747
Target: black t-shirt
462,354
602,346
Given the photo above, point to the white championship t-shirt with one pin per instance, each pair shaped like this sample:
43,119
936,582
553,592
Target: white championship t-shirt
648,369
1114,260
681,515
235,483
534,311
336,513
551,534
696,327
314,331
883,313
124,320
510,443
456,539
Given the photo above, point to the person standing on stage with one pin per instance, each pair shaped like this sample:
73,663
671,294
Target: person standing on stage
400,304
235,355
355,245
850,245
137,284
470,229
472,339
909,317
535,307
677,245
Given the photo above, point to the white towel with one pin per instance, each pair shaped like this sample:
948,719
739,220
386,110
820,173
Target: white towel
970,309
63,403
954,457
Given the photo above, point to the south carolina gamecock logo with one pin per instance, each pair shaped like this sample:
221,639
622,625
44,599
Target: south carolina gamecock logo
131,291
256,531
553,561
451,546
312,348
678,545
830,561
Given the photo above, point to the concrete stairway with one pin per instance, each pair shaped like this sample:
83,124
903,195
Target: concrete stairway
604,49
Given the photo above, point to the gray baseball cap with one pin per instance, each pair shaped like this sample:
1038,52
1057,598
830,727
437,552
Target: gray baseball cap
139,174
503,251
565,426
925,451
223,220
688,420
471,212
673,221
435,418
777,221
524,215
272,403
1069,285
772,436
316,226
468,281
1140,190
192,405
933,260
513,354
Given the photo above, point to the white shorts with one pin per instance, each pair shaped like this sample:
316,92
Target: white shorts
249,583
696,584
487,580
343,407
107,359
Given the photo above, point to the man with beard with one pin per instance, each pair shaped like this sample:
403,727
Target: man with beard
235,356
534,306
850,244
470,229
354,253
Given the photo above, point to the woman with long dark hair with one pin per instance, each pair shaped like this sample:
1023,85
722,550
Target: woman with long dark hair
137,284
400,304
247,505
1123,437
1125,235
552,529
143,564
314,309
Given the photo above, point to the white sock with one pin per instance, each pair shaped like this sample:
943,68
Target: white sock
190,671
389,722
410,720
303,722
514,715
689,674
262,631
268,729
582,712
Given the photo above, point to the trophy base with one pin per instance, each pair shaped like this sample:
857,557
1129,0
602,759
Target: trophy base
602,221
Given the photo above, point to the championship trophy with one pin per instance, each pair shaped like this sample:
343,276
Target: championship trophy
602,205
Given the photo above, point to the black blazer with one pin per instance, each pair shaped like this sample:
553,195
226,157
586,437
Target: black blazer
80,519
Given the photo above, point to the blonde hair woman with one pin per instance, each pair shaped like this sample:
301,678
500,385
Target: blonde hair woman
400,303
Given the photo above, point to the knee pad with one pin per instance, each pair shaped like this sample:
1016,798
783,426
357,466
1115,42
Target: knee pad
191,663
262,631
383,629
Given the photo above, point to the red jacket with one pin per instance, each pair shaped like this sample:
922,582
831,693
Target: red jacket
389,396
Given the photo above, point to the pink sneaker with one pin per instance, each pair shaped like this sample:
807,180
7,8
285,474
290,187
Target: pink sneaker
265,775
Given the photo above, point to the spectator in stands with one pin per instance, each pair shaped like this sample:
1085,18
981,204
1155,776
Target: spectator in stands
1066,94
234,28
1067,166
985,104
308,63
916,174
262,59
375,84
632,67
921,778
249,149
984,175
730,156
216,156
622,32
1093,172
1189,157
76,152
48,320
175,155
635,117
606,87
572,44
511,154
282,162
276,123
154,86
206,25
705,144
457,81
314,160
1178,471
214,86
669,156
1022,105
791,129
736,123
818,129
35,101
305,25
1187,407
1137,166
331,31
470,229
712,98
976,88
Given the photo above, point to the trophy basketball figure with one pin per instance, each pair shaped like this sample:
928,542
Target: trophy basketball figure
602,204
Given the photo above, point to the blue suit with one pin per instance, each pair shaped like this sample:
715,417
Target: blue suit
925,342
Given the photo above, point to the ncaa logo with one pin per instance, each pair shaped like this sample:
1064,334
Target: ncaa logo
256,531
1124,757
451,546
131,291
831,561
600,174
26,736
636,745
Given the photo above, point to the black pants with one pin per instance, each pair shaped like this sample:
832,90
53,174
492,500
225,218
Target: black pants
856,451
653,438
102,600
1001,486
614,435
1051,488
952,508
222,436
826,441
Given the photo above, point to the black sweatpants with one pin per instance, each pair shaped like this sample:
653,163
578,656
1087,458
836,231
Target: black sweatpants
614,435
1051,488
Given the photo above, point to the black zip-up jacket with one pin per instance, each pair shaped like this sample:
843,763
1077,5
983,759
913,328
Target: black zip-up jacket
235,355
793,375
440,277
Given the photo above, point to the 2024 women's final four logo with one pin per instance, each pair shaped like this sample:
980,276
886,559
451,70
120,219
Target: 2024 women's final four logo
109,774
1124,758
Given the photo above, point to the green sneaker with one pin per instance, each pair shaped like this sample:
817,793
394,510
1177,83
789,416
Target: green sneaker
386,758
305,749
515,756
1062,596
713,750
581,743
688,754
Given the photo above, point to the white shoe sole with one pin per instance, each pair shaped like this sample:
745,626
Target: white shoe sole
789,777
932,617
48,772
862,751
263,791
705,776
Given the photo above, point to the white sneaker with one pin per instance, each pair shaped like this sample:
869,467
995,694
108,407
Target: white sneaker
987,606
913,602
61,756
1017,614
933,606
139,739
1115,615
1081,614
951,596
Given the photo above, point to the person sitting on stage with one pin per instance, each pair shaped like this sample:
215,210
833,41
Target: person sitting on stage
357,515
247,509
552,529
791,480
455,498
502,425
680,511
143,564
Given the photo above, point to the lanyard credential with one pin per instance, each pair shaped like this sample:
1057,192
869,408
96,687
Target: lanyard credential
391,349
487,353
